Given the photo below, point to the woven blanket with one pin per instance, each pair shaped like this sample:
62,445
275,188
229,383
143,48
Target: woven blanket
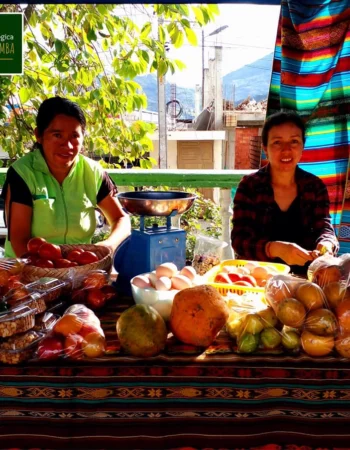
311,75
184,398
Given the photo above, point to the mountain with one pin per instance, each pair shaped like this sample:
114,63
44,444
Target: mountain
252,79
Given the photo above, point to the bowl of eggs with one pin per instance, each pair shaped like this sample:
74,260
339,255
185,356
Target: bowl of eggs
158,288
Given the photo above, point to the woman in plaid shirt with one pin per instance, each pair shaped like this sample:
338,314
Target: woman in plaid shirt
281,212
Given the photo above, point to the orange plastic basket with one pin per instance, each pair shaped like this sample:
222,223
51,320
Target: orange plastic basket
224,288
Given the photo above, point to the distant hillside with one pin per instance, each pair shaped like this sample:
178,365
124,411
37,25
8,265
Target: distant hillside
252,79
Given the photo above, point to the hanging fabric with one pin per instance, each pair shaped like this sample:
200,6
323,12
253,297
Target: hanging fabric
311,75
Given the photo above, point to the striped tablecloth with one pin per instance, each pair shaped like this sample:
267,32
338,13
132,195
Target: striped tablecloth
183,398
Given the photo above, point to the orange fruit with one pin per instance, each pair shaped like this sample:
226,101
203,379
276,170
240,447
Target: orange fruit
342,345
343,314
310,295
73,346
315,345
335,293
291,312
321,322
93,345
68,324
326,275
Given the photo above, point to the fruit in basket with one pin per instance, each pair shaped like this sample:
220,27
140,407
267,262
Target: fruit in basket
233,276
291,340
321,322
68,324
310,295
73,255
141,331
50,348
315,345
44,263
63,263
252,324
34,244
268,317
87,257
197,315
249,279
335,293
50,251
247,343
222,278
291,312
270,338
93,345
342,345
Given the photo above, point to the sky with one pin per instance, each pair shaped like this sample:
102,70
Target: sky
250,35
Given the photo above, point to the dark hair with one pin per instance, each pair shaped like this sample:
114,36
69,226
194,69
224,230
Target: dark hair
281,118
52,107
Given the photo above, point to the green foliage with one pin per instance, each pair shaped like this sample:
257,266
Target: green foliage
65,48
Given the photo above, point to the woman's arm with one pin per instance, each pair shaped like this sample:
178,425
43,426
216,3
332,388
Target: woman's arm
322,222
118,220
19,219
246,237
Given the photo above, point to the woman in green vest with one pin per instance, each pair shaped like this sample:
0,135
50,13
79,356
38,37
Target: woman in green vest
52,192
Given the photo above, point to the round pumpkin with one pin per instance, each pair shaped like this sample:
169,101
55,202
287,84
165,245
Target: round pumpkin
197,315
141,331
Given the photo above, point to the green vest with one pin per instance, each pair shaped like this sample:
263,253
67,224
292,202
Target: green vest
62,214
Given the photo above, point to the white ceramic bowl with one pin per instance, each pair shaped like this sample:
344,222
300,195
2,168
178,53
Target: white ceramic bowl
162,301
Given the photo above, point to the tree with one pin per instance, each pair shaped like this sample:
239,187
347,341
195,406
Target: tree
65,50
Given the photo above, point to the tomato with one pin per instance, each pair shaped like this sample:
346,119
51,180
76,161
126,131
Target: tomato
50,348
34,244
32,259
50,251
63,263
95,279
95,298
74,254
44,263
249,279
109,292
87,258
222,278
234,277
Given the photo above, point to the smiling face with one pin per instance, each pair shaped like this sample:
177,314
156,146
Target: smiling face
61,142
284,147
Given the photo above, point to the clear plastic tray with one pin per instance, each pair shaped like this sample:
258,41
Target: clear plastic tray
33,300
50,288
17,320
20,347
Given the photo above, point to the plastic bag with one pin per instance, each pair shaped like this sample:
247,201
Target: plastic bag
329,269
207,253
93,290
76,335
255,328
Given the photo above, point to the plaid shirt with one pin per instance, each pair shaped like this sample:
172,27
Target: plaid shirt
252,218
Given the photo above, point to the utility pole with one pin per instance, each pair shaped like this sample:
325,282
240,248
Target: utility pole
162,124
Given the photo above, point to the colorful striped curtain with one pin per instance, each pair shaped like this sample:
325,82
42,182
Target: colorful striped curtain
311,75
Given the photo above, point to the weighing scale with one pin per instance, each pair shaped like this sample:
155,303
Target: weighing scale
148,247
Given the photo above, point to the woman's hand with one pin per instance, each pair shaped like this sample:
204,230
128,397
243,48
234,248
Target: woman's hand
291,253
325,247
106,244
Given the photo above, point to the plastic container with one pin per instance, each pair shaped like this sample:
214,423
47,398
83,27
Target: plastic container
45,322
34,300
224,288
17,320
20,347
49,288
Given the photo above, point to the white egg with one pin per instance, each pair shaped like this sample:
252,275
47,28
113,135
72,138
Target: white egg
141,281
153,278
181,282
189,272
163,284
166,270
243,271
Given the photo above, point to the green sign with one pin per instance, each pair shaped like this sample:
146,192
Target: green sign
11,44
